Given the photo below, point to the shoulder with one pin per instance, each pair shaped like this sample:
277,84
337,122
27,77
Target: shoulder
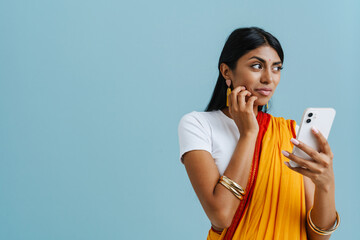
194,132
195,118
191,116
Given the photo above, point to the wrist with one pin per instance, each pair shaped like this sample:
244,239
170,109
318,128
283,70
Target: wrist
325,188
249,134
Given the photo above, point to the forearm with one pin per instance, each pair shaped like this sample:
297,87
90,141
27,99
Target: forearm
239,166
323,214
238,170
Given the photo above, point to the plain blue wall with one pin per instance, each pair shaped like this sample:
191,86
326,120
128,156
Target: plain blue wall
91,93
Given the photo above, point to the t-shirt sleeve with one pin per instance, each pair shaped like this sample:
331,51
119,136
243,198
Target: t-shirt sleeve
194,134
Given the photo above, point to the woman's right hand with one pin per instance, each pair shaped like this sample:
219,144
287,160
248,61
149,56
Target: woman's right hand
242,111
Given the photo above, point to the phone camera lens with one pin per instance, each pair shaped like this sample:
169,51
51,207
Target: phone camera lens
308,120
310,114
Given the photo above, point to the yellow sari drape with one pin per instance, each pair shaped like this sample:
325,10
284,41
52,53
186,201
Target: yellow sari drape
276,210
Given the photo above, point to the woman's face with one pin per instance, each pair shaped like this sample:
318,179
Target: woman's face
259,71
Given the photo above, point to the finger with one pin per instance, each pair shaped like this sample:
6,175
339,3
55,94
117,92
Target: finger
233,96
324,144
307,149
310,165
241,97
300,170
239,88
250,102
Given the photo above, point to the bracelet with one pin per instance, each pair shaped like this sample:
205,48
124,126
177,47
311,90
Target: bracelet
323,231
233,184
233,190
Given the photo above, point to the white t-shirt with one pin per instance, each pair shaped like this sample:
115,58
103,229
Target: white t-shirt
211,131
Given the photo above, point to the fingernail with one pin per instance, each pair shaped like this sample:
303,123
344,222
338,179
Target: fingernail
285,153
314,129
294,141
286,163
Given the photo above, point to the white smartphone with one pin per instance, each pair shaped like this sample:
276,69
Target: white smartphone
321,119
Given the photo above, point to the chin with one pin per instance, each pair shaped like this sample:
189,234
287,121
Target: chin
263,100
260,103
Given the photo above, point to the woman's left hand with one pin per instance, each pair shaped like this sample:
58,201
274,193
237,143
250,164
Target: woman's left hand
320,168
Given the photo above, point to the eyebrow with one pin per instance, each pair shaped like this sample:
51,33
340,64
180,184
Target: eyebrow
263,61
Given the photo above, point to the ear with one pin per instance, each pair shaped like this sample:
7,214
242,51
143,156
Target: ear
225,71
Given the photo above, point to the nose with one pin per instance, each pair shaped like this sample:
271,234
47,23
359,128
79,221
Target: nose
267,76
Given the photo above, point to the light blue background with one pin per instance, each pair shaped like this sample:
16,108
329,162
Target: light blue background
91,93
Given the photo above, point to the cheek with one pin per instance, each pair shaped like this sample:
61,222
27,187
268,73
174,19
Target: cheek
277,80
248,78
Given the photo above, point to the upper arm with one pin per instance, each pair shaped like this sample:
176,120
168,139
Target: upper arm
204,175
195,152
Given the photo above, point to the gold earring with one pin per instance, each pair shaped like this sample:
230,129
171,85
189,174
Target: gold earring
228,91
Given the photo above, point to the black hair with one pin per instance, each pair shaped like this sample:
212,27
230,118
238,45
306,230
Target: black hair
240,42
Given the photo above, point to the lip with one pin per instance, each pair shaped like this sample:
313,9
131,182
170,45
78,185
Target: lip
264,91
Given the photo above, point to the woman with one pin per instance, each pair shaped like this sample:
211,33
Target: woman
236,144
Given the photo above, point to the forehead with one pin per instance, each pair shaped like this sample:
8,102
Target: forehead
265,52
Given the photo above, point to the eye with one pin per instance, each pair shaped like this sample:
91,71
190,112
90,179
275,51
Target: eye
278,68
257,66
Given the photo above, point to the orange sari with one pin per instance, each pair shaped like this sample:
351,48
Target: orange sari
274,206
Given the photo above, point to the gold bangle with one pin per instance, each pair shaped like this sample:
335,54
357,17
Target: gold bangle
323,231
233,184
233,190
